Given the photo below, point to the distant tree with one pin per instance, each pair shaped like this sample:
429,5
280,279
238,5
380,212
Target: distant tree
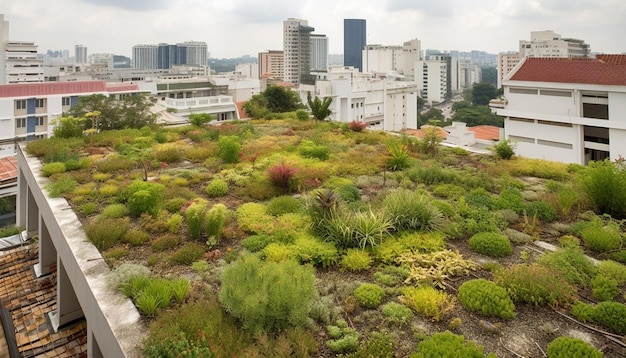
256,106
198,119
319,107
131,112
482,93
433,114
478,115
420,103
274,99
489,75
460,105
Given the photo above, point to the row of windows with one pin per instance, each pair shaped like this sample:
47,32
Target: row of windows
21,122
542,92
39,102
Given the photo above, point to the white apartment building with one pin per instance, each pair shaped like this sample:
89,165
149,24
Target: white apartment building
319,52
80,54
247,70
18,59
542,44
195,52
570,110
28,110
380,102
390,59
297,51
146,56
438,77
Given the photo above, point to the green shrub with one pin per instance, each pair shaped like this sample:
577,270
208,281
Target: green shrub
601,238
144,197
400,157
108,190
576,268
308,249
491,244
136,237
410,210
424,242
503,149
347,341
361,229
308,149
486,298
613,270
229,148
178,346
267,295
125,272
217,188
105,232
256,243
427,301
541,210
611,315
510,198
52,168
168,154
583,312
114,211
283,204
88,208
568,347
62,186
253,218
604,182
214,223
164,243
397,313
449,345
113,163
537,285
448,190
174,223
356,260
604,288
188,254
195,216
174,205
349,193
277,252
430,175
369,295
378,344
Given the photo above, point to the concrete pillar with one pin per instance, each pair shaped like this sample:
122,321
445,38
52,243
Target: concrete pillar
32,215
22,196
47,251
93,349
68,308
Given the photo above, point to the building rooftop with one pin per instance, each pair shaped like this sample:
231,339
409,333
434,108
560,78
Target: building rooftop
51,88
605,70
485,132
8,169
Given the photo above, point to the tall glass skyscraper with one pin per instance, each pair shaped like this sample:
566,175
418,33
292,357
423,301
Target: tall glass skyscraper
354,39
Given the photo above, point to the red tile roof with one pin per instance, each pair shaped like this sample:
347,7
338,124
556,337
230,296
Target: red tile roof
607,70
420,133
485,132
51,88
8,169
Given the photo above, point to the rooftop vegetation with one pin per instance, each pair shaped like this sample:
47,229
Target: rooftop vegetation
298,237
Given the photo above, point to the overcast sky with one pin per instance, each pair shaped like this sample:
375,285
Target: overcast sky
232,28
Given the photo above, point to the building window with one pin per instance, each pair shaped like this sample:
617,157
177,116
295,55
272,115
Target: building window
65,101
556,93
39,103
554,144
20,122
521,139
41,121
20,104
523,90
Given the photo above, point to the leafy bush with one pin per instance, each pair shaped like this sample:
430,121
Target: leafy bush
569,347
283,204
255,243
510,198
195,215
582,311
427,301
282,175
361,229
174,205
136,237
611,315
349,193
396,312
308,249
503,149
217,188
613,270
277,252
604,182
486,298
410,210
214,223
144,197
369,295
114,211
164,243
230,147
356,260
52,168
601,238
357,126
266,295
378,344
400,157
308,149
604,288
576,268
62,186
188,254
105,232
447,344
491,244
537,285
542,210
344,339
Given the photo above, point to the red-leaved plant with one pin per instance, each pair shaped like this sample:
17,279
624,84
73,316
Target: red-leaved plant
281,175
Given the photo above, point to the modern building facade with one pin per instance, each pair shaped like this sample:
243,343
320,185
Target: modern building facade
166,56
271,65
80,54
439,78
297,51
319,52
545,44
398,59
145,57
18,59
354,41
570,110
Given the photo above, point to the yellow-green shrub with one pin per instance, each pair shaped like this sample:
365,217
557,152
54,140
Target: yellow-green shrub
486,298
427,301
356,260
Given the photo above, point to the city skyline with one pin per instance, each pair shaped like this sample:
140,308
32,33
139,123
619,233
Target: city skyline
243,27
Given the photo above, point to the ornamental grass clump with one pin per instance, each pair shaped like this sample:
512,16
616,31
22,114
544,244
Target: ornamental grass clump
491,244
486,298
409,210
537,285
268,296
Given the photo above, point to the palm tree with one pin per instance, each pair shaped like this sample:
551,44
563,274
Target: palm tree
319,107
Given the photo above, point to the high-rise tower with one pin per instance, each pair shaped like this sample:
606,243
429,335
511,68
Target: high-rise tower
354,40
297,51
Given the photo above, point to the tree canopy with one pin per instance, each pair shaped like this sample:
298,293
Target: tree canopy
489,75
477,115
482,93
274,99
130,112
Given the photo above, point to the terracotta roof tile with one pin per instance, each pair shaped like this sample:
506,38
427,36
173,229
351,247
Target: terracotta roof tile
606,70
8,169
485,132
